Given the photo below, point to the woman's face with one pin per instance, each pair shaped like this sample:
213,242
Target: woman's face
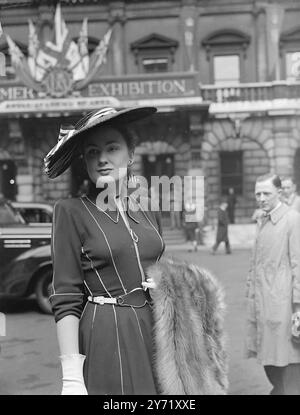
106,155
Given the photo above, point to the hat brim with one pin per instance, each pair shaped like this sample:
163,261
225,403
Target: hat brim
59,160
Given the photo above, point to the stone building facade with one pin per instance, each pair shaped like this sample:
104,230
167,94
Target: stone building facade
227,92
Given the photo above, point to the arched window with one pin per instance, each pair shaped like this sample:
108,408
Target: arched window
226,51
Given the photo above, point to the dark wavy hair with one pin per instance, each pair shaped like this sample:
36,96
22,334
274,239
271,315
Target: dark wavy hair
126,133
122,128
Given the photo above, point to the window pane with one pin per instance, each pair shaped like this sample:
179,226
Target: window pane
227,69
292,61
155,64
9,216
231,163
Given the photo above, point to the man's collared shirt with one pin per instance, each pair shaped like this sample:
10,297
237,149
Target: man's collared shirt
269,215
274,209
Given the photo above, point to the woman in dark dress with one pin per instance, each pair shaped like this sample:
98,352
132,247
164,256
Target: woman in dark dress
101,247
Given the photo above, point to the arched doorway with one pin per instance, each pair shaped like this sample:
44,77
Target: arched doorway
234,163
157,159
158,165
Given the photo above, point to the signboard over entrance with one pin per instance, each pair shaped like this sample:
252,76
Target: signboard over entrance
118,92
143,88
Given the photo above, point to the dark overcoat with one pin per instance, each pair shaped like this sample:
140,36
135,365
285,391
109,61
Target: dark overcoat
222,230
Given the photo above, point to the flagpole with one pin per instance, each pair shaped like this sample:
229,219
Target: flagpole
2,57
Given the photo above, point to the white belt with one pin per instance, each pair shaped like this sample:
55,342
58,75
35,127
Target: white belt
102,300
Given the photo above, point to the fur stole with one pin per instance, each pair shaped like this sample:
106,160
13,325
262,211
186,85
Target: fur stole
188,308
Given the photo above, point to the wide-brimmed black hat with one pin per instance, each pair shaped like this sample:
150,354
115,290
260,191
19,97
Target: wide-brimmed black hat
63,153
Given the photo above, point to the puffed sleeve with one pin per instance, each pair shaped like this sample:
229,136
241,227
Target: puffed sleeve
67,295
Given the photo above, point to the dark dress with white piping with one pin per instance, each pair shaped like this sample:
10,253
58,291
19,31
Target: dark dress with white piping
94,254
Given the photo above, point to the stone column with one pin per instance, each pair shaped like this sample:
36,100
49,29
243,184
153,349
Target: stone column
194,188
260,44
188,29
196,138
274,21
117,19
283,152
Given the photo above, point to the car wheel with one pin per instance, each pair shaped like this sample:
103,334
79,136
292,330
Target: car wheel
42,291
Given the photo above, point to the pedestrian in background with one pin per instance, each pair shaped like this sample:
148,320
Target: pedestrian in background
222,228
100,250
289,195
191,225
273,290
231,202
175,207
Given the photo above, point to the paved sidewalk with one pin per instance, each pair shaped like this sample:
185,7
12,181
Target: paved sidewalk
241,236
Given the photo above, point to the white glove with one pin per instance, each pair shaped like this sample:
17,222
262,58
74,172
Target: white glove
72,369
296,326
149,283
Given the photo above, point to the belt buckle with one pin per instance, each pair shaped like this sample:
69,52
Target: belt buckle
101,300
120,300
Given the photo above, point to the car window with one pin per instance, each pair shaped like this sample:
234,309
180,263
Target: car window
35,215
8,216
46,217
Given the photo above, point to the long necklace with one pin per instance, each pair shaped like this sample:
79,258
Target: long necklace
99,208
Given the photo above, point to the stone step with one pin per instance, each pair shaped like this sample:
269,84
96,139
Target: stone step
239,235
173,236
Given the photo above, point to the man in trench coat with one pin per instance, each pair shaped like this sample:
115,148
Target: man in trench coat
273,289
289,194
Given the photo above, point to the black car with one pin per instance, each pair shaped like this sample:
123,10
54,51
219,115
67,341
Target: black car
25,256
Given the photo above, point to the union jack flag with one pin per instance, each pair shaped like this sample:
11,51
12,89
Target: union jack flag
64,53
